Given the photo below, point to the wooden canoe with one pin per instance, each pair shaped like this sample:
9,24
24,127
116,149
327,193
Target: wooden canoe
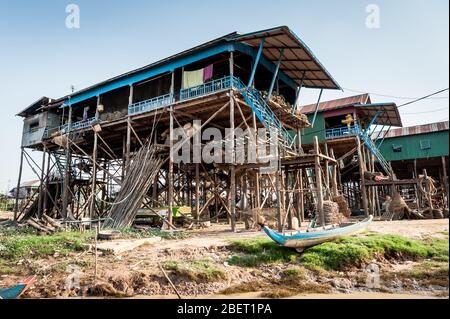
303,240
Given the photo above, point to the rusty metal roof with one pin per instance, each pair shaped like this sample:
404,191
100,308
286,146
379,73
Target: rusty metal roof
337,104
418,129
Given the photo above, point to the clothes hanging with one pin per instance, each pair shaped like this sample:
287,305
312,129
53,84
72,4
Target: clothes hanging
85,113
192,78
208,72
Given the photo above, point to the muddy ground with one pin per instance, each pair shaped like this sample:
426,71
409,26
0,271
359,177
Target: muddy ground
138,273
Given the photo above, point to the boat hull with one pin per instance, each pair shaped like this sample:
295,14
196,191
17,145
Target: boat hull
304,240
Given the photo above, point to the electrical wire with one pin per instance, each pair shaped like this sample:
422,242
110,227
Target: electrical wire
393,96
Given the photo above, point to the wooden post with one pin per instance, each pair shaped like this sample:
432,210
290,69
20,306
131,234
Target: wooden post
427,188
327,174
334,184
47,180
19,180
287,196
445,180
279,197
362,169
318,173
197,191
41,186
128,145
232,167
416,185
301,196
170,172
94,177
66,182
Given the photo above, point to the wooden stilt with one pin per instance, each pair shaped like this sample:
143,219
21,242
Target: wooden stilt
94,178
445,180
66,182
233,154
19,181
362,169
42,184
319,190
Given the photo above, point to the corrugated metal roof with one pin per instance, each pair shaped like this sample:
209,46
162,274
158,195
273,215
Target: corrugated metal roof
337,104
418,129
298,61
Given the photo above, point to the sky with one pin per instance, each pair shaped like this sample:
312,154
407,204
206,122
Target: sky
407,56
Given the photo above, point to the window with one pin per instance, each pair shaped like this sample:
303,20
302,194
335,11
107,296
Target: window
34,127
396,148
425,144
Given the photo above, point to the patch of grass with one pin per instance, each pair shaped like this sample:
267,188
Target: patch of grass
33,246
154,232
254,252
293,274
355,251
8,267
198,270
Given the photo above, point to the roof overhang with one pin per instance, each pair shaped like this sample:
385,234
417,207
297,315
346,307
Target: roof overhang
298,60
34,107
385,113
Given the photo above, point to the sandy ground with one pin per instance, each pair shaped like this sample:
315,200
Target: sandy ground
211,243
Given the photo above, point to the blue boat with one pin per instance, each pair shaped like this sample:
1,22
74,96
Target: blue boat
16,291
316,236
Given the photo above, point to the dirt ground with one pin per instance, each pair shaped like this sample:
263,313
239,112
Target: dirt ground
138,273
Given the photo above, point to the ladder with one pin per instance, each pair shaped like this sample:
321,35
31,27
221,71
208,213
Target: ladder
267,117
376,152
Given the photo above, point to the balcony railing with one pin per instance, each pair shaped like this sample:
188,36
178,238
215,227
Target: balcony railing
151,104
210,87
64,128
342,132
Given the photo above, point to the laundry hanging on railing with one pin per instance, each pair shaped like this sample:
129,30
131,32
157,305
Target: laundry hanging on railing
197,77
208,73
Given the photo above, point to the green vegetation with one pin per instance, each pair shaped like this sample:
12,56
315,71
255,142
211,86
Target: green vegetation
154,232
199,270
356,251
26,244
293,274
254,252
344,253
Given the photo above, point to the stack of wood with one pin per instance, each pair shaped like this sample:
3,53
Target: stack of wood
138,180
332,214
45,225
343,206
283,110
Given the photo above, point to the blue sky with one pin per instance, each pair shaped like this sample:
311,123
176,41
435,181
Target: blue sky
406,57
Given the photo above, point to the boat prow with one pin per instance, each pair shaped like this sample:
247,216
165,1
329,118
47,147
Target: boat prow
303,240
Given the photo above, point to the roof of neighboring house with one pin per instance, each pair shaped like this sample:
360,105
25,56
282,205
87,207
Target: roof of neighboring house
381,113
33,183
337,104
299,64
418,129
